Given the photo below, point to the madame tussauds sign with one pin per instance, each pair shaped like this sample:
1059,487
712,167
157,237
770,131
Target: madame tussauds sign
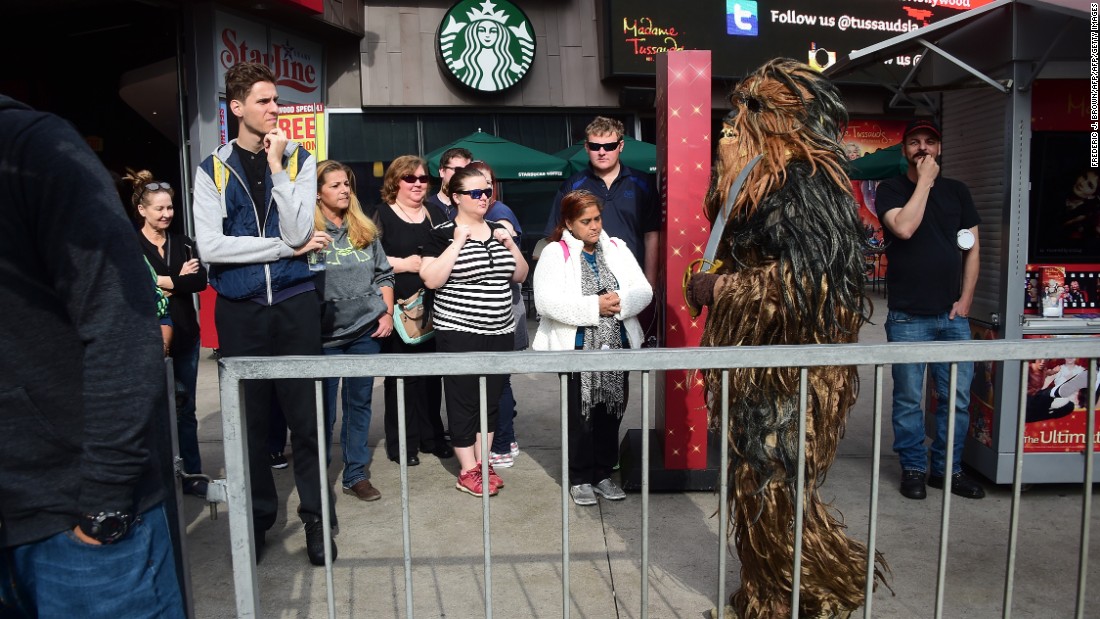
486,46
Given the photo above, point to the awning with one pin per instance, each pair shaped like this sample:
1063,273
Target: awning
976,48
509,161
641,156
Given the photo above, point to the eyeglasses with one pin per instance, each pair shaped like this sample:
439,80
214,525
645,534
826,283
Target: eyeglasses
699,265
157,186
412,178
476,193
597,146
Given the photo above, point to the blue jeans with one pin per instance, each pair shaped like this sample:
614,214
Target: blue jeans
356,403
185,367
908,416
506,431
61,576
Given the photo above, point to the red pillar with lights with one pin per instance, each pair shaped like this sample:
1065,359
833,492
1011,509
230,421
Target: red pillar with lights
684,152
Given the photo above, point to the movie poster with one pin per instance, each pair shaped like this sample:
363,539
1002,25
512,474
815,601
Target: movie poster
1074,289
1057,399
1065,205
1052,279
869,142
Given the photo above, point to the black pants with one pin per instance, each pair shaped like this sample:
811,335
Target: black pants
593,444
292,327
423,398
463,393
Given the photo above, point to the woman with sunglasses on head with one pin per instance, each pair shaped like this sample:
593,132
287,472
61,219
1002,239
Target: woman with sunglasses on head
589,291
471,264
179,275
356,289
505,448
406,221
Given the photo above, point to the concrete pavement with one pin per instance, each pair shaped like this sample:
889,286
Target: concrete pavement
605,541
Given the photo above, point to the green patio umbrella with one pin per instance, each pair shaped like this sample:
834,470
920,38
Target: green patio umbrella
641,156
510,161
883,163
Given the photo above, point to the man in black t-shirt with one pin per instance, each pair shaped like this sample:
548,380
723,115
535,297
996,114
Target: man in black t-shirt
931,230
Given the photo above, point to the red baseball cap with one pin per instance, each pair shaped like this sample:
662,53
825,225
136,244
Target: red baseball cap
923,124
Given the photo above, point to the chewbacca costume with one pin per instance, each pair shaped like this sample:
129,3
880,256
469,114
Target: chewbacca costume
792,274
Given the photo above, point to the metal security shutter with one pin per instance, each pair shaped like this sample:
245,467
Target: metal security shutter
974,152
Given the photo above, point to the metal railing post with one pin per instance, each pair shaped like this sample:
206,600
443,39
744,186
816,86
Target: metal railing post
563,381
872,520
406,531
326,512
1086,507
1017,487
723,492
486,492
948,467
241,535
645,494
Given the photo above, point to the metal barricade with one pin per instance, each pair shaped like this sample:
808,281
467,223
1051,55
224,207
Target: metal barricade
646,361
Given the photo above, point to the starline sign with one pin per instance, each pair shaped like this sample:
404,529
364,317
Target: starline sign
293,68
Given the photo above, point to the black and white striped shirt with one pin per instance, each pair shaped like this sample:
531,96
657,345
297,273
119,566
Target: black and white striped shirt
477,297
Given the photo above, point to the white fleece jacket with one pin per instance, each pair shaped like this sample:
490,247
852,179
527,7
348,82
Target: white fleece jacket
561,306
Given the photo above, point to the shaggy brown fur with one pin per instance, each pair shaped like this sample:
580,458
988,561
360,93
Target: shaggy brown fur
793,275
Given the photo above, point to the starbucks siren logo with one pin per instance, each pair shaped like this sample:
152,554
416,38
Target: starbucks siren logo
485,48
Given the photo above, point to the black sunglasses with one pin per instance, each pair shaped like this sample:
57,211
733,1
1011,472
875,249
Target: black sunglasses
157,186
412,178
477,193
596,146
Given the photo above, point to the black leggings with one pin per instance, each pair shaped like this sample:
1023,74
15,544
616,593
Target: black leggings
462,393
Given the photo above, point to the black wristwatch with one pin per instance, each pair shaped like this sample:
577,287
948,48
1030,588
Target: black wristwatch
106,527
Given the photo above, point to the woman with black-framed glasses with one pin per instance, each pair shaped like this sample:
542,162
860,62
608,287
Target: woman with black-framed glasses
406,221
471,264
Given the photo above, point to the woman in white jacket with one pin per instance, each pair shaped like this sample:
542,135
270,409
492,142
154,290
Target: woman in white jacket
589,291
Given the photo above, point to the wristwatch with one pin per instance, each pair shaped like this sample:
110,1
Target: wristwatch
106,527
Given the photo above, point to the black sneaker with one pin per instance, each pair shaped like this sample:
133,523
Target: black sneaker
315,542
278,460
912,484
961,485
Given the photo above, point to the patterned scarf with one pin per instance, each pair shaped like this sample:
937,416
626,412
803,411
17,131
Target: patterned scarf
601,387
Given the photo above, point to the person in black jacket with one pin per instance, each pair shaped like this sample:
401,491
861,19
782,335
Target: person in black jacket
83,458
180,276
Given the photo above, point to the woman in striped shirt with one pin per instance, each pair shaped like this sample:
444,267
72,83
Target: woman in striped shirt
471,264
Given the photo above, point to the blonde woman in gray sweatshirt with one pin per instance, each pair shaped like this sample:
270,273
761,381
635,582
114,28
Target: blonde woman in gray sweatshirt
356,288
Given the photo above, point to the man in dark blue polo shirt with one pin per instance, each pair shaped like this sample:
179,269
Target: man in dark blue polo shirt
630,209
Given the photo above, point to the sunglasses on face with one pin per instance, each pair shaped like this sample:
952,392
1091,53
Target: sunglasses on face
597,146
476,193
157,186
412,178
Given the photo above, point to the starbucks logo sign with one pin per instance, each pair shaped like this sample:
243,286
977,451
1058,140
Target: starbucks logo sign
486,45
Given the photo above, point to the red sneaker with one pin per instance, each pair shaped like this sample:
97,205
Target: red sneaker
494,479
470,482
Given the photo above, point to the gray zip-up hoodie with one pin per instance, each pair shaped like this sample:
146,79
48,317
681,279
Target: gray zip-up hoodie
351,287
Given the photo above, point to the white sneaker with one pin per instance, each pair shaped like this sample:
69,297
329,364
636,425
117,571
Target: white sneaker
583,495
501,461
514,449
